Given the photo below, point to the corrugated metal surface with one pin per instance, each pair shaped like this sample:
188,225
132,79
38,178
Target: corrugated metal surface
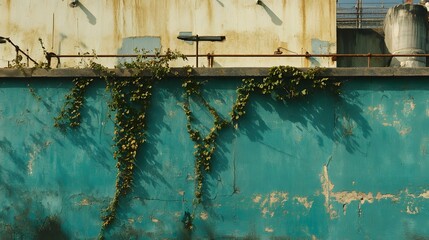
104,25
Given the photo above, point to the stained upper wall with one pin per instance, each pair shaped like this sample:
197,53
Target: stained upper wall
118,26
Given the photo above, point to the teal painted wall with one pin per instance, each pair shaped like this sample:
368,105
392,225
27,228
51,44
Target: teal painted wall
349,167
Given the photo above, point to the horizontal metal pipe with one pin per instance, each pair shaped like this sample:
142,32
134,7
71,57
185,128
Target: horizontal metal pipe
252,55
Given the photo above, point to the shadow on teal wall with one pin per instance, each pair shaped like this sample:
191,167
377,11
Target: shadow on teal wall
329,167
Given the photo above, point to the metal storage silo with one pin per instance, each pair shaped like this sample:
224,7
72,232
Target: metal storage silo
405,29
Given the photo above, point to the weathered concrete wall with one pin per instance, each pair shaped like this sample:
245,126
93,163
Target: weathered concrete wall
349,167
354,41
117,27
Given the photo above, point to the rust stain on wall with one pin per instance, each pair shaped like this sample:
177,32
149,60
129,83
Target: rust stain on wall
116,7
304,31
120,19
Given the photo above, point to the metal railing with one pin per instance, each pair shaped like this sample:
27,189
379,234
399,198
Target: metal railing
361,14
211,57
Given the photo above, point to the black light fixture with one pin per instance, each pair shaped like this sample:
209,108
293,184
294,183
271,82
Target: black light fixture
74,3
17,49
197,39
202,38
278,51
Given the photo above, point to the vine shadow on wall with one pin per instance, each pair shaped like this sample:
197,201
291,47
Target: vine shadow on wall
320,111
149,167
220,94
92,131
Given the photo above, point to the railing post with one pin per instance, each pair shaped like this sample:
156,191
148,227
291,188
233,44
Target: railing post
369,59
210,60
196,61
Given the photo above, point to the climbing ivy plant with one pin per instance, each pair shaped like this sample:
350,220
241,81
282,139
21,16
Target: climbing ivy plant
70,114
282,83
204,146
130,100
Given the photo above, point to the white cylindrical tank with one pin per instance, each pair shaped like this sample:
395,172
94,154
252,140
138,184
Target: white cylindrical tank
405,28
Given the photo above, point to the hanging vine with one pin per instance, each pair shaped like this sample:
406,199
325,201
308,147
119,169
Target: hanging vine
282,83
130,99
70,114
204,146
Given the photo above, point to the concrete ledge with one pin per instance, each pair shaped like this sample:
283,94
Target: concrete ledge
7,73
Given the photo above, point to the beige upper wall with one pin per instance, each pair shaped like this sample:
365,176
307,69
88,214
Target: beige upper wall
102,26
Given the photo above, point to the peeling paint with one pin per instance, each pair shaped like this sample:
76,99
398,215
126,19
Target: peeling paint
268,229
379,109
409,107
412,210
425,194
401,129
264,211
154,220
273,199
257,198
204,215
304,201
405,131
84,202
327,187
381,196
33,155
347,197
271,202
